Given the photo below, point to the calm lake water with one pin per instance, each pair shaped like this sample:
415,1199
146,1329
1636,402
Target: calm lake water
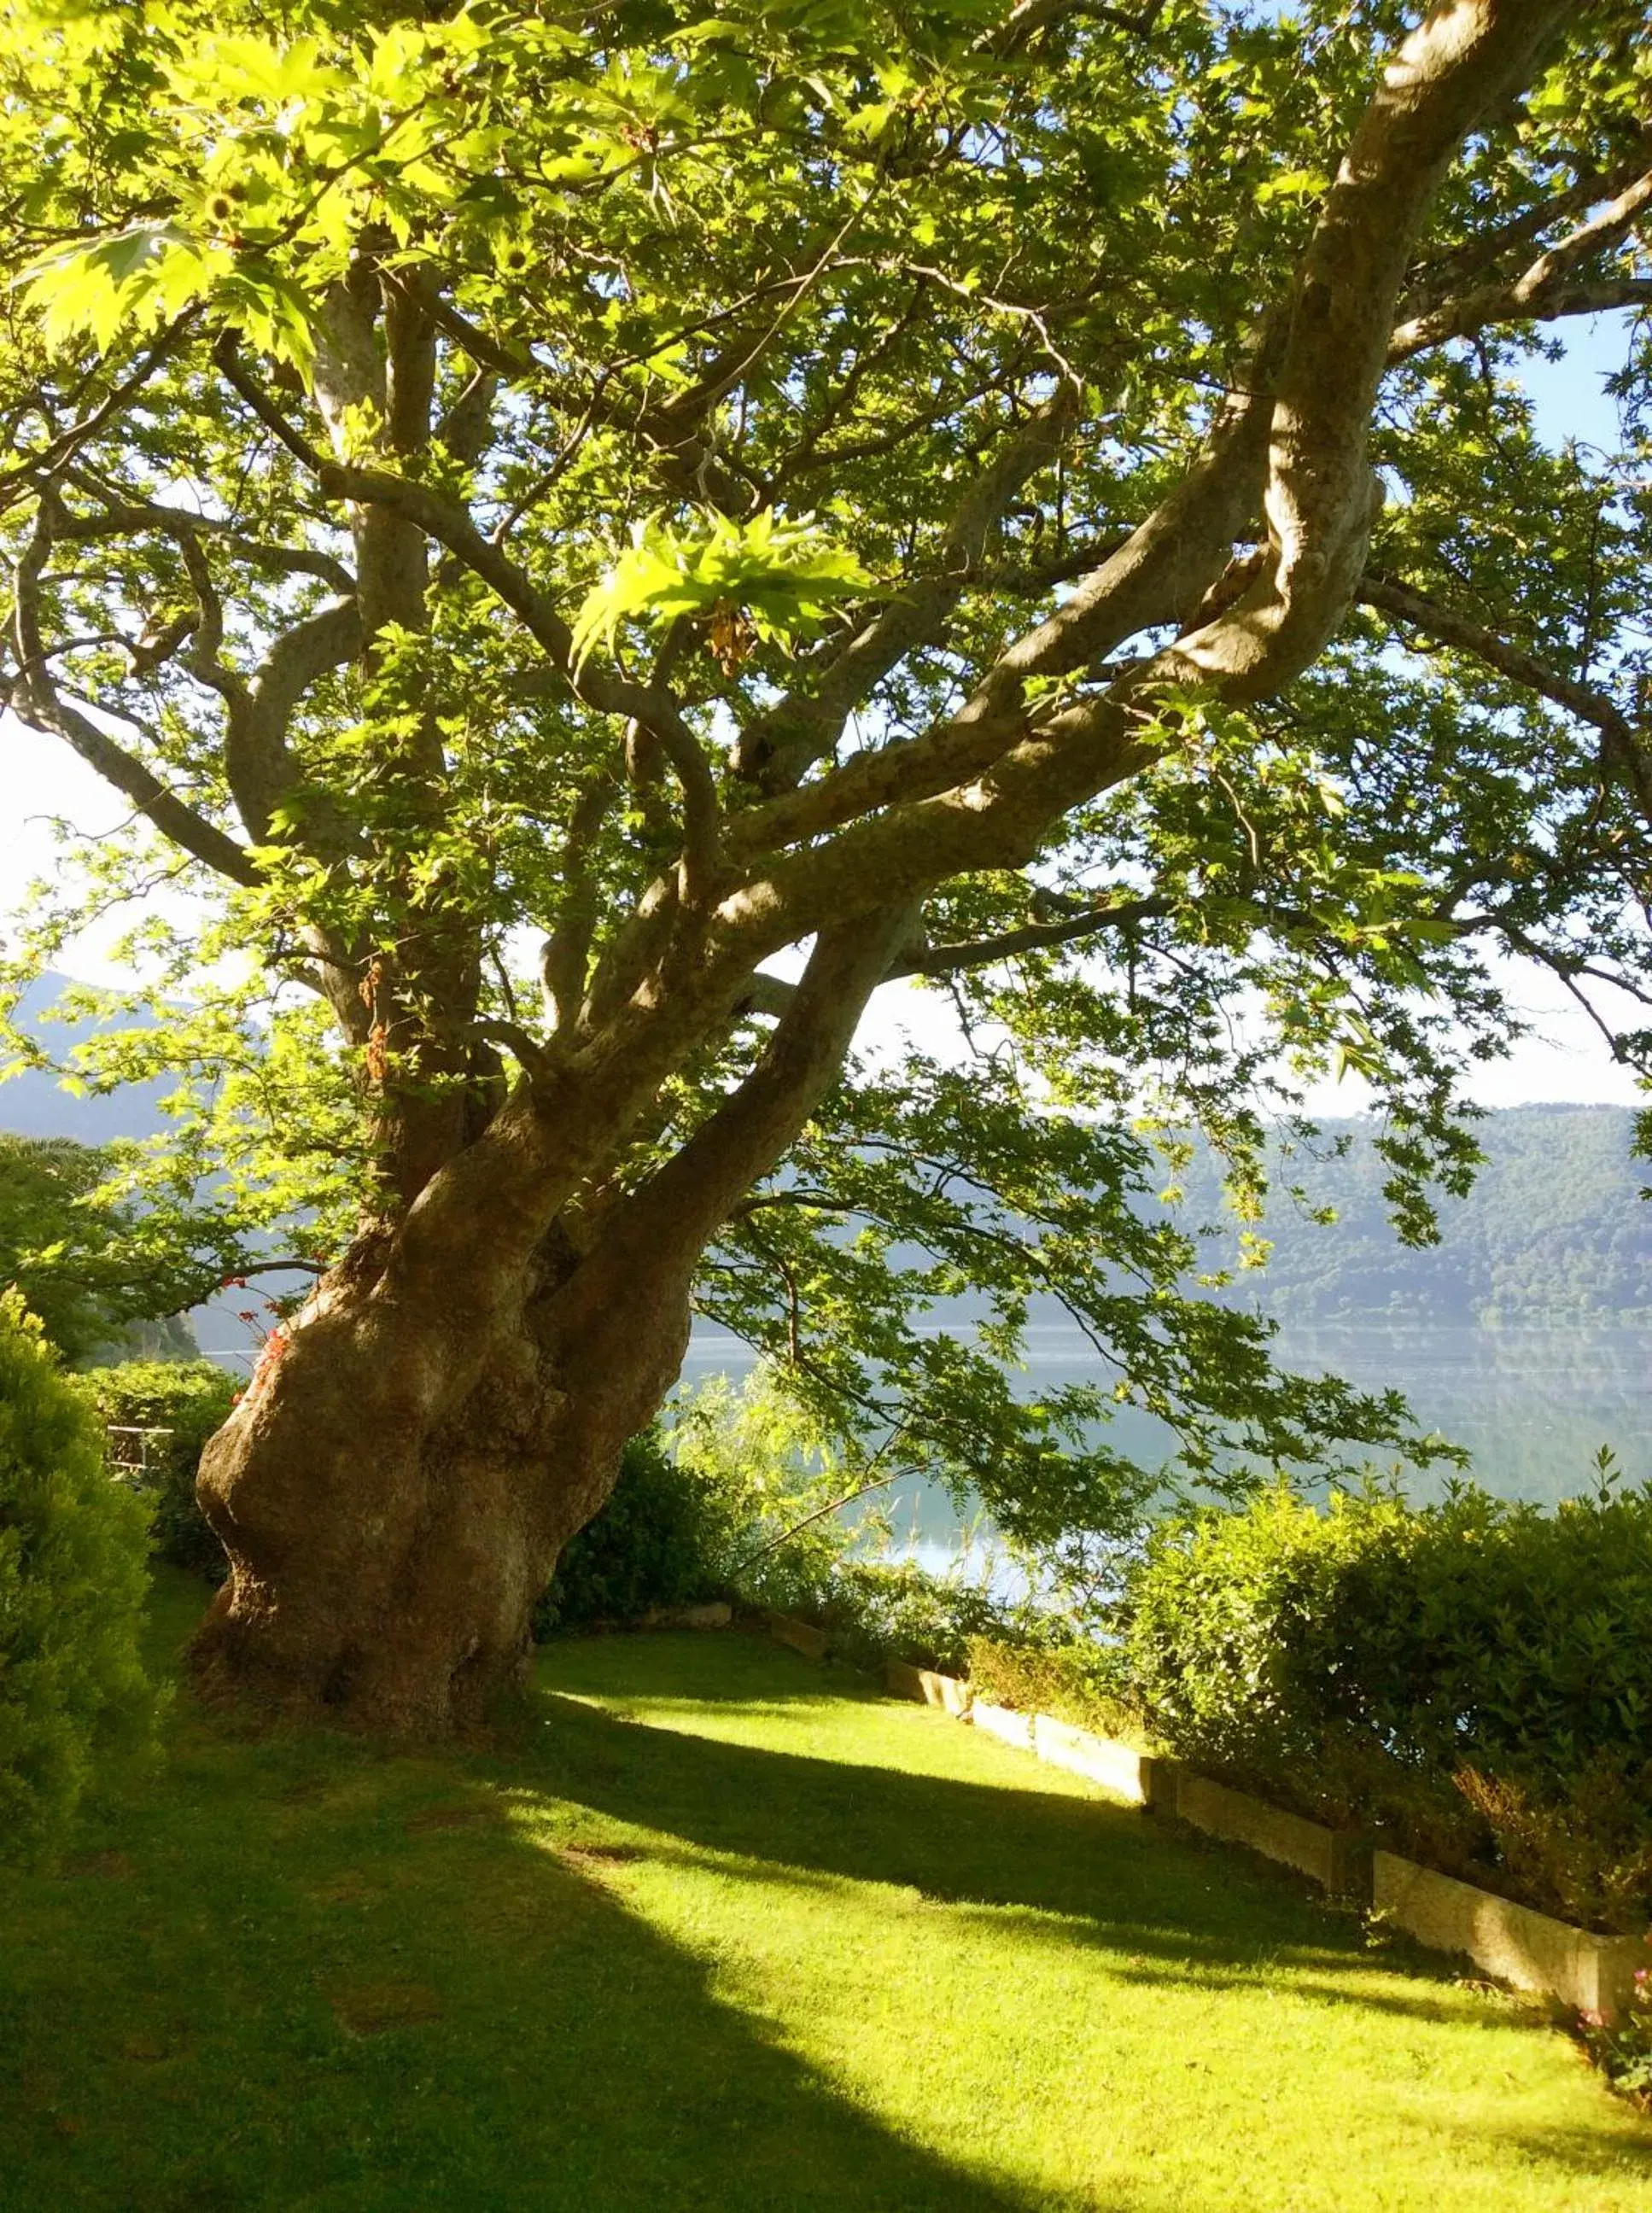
1531,1405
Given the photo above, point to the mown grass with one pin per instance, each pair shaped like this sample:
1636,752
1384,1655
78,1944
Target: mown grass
723,1931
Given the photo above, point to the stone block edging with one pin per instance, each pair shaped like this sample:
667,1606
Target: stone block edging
928,1688
1004,1722
801,1636
1514,1943
1144,1778
1337,1860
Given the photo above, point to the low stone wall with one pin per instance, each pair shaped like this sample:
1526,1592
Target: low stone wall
1516,1943
930,1688
1004,1722
1339,1861
813,1644
1139,1777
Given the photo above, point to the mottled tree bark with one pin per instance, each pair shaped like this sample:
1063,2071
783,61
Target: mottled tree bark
396,1485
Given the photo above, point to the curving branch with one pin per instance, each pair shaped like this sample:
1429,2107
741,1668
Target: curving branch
36,699
258,760
43,467
1031,937
1028,18
772,995
1025,772
653,706
1553,286
1626,746
781,745
118,515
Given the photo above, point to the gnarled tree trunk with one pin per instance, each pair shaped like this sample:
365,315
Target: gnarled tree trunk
395,1489
390,1527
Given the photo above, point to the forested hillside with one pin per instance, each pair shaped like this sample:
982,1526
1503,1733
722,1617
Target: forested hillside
1556,1229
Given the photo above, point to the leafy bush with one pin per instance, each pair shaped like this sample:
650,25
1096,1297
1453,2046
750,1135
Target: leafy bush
662,1540
1472,1678
73,1697
736,1512
192,1399
880,1610
1073,1677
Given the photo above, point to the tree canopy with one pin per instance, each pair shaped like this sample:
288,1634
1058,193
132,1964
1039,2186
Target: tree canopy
87,1266
593,537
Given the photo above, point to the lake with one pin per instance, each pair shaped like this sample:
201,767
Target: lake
1532,1404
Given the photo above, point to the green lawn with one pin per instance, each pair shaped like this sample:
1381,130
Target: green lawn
731,1932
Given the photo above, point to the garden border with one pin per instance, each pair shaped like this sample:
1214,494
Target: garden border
1594,1975
1591,1974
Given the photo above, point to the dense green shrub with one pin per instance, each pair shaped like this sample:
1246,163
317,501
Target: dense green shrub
1473,1677
73,1699
677,1532
192,1399
1074,1678
662,1539
879,1610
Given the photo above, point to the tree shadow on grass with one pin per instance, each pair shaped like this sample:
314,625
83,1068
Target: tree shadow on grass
1168,1902
313,1974
1164,1896
333,1980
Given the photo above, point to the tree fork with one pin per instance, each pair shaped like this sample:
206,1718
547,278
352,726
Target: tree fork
395,1488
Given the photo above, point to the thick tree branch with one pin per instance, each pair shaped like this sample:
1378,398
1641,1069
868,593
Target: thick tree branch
678,1209
653,706
1465,56
566,954
261,766
1320,504
121,516
784,742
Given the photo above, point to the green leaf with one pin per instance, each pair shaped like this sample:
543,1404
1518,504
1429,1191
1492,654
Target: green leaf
783,576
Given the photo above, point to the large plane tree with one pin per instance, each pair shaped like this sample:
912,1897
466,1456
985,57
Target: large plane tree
589,539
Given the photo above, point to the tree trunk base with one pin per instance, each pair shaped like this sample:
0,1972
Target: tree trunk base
401,1683
386,1549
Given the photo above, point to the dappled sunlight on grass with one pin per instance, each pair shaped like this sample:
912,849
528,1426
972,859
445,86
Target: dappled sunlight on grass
706,1932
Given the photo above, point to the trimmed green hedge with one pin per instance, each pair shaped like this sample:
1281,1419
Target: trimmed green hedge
1473,1680
192,1399
74,1701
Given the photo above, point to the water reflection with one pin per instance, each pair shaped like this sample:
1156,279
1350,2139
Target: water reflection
1532,1404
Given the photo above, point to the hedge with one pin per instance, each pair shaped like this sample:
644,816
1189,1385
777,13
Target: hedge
1472,1681
192,1399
